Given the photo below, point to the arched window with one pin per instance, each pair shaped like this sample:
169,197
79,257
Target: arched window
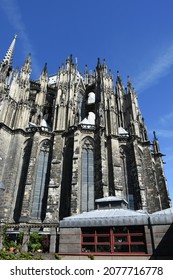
128,184
41,184
65,208
91,98
87,180
81,107
22,181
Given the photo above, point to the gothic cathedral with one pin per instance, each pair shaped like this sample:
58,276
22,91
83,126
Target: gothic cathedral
69,139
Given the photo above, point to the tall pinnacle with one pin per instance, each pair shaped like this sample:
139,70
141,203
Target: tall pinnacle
8,58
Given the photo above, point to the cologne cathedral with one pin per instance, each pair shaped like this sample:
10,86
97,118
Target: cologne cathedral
68,140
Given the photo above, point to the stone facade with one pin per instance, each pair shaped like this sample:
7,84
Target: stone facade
70,139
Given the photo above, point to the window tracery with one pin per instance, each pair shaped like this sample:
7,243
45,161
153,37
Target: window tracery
87,194
41,182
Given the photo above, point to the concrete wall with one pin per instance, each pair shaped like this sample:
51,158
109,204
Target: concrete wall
69,241
163,241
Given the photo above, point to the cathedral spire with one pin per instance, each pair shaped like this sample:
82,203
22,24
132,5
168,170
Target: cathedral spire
105,68
44,75
156,147
8,58
45,68
86,74
129,84
69,62
98,67
119,85
26,68
26,71
86,69
119,81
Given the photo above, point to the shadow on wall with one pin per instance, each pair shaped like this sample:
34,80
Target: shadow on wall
164,250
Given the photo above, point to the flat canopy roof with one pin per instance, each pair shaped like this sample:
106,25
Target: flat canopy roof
117,217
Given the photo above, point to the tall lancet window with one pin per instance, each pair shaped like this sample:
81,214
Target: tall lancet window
127,177
22,181
41,184
87,184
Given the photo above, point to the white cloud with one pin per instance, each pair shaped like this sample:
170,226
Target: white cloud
13,13
157,69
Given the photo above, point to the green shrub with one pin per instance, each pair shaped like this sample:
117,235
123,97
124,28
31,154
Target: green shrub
91,257
57,257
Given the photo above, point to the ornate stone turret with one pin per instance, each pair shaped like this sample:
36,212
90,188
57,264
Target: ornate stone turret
26,71
156,148
6,68
120,99
15,110
41,96
8,58
162,189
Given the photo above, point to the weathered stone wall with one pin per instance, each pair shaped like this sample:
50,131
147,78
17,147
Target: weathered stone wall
11,170
153,203
76,174
161,182
115,167
54,190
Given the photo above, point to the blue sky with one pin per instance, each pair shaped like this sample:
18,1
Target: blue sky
135,37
